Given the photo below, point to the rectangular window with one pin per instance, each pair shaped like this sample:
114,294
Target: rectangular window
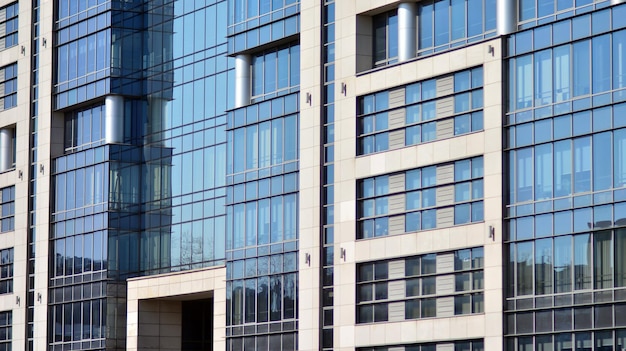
418,119
10,25
417,288
385,38
270,143
8,80
6,275
275,72
84,128
444,24
549,170
413,206
7,208
6,322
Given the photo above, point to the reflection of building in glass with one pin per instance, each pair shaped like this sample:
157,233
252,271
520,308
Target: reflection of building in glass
313,175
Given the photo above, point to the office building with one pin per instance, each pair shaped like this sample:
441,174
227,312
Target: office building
370,175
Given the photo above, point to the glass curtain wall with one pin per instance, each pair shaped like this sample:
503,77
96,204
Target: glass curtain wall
156,202
565,200
262,178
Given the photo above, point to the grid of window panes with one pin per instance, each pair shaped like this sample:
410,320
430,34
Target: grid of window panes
286,341
78,315
465,345
385,38
8,84
555,76
7,209
327,218
421,112
247,14
537,12
606,340
275,72
262,265
70,11
263,290
566,142
411,201
566,263
263,138
189,91
573,159
441,25
6,334
10,24
84,57
452,23
84,128
6,271
262,221
407,288
96,45
264,33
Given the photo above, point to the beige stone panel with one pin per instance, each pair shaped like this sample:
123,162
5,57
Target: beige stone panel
344,232
308,141
422,242
458,61
346,27
346,164
492,72
490,320
425,68
492,95
426,154
420,331
492,117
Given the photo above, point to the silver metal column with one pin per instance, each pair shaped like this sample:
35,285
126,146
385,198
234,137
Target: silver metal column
242,80
114,119
615,2
6,149
407,31
507,16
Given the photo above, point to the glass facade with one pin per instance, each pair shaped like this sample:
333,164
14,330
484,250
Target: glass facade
262,178
537,12
193,181
565,198
254,23
153,200
448,24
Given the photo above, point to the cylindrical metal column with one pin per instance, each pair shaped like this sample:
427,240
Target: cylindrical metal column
506,16
242,80
6,149
114,119
407,31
